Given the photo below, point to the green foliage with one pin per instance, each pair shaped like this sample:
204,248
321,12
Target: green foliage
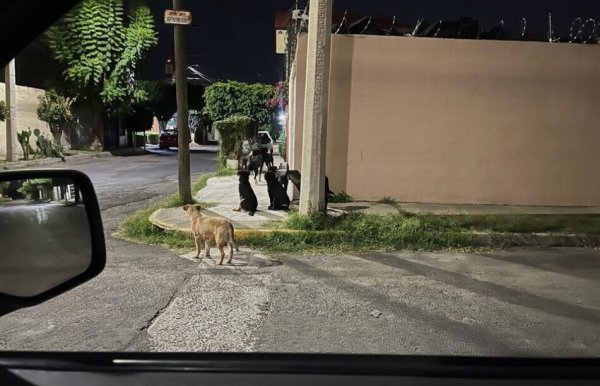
23,138
55,110
46,147
202,181
524,223
140,119
363,232
226,99
153,139
161,98
232,131
283,146
138,227
341,197
29,187
100,50
388,200
3,111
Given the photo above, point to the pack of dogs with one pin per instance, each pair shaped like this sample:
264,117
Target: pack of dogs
220,230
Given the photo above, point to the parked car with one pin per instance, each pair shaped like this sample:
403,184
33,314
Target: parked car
168,139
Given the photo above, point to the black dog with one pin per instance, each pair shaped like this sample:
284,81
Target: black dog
296,178
248,201
256,164
281,176
278,197
267,157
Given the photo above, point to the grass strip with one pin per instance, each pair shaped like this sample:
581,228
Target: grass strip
358,232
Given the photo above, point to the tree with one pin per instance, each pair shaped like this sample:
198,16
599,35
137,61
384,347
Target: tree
139,120
162,102
226,99
232,132
55,110
100,51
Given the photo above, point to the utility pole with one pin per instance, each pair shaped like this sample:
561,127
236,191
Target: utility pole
316,99
183,137
10,88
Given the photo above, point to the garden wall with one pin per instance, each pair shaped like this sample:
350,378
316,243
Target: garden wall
27,102
459,121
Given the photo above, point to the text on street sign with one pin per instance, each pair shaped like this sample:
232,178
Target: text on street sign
178,17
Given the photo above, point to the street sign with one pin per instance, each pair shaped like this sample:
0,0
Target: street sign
178,17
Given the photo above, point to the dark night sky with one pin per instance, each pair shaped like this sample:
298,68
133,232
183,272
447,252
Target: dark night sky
235,39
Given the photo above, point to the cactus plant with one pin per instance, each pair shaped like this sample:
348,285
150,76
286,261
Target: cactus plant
46,147
23,138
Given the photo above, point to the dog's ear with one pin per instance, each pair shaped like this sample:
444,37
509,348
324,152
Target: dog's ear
185,207
198,207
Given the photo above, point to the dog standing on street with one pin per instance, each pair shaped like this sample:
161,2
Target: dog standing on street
256,164
211,228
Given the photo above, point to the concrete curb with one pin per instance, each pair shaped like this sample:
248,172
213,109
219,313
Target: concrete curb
488,240
53,161
239,232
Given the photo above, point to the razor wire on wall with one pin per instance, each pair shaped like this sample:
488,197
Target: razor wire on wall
582,30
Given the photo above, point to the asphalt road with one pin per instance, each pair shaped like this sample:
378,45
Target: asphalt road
139,280
524,302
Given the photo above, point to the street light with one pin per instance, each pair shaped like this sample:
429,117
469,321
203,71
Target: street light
169,69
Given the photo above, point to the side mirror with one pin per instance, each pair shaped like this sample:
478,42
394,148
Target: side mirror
51,235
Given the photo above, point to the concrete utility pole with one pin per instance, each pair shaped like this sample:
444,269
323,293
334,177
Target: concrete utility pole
312,194
10,88
183,137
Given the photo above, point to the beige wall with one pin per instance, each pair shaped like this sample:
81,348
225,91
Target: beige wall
27,101
461,121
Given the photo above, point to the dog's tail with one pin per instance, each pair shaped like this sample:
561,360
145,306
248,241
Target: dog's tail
232,234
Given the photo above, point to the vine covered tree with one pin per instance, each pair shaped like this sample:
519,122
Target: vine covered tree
99,48
55,110
227,99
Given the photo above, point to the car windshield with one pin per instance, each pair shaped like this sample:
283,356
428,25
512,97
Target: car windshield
428,184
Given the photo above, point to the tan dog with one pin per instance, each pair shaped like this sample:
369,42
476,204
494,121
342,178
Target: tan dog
211,228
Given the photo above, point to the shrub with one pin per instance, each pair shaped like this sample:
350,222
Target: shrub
341,197
140,140
55,110
232,131
23,138
153,139
3,111
283,147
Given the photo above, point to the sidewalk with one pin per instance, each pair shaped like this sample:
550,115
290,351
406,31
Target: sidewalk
75,156
221,195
